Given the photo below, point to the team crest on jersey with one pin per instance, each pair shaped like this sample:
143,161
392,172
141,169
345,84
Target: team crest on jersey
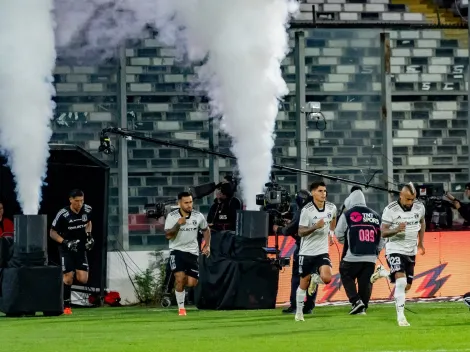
416,215
84,218
194,222
329,216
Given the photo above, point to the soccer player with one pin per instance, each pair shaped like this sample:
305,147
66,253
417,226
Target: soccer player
71,228
181,228
403,226
302,198
317,221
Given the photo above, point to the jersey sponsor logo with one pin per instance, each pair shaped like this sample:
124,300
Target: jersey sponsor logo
355,216
370,218
82,226
184,229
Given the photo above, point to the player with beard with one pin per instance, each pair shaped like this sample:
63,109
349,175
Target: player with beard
71,228
317,221
181,229
403,227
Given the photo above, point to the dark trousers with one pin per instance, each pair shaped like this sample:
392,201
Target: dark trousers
295,282
357,271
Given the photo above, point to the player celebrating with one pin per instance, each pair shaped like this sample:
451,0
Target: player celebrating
403,225
181,228
71,228
316,219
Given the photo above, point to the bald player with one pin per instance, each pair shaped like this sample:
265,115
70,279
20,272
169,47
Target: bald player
403,227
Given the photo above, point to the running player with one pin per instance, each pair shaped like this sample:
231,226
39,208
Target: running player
317,221
403,227
71,228
181,228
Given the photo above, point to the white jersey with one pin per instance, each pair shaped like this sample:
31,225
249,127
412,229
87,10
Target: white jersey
317,242
186,239
405,242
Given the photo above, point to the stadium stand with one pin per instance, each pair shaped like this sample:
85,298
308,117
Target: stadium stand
363,10
429,109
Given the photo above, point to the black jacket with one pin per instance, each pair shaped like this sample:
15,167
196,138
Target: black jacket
223,215
291,228
464,211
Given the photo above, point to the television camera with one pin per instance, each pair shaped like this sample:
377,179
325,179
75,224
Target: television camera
438,210
276,201
160,209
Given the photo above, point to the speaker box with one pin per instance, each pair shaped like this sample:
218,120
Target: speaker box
30,241
252,224
249,248
27,290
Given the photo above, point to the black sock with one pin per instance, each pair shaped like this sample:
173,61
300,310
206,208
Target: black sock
67,295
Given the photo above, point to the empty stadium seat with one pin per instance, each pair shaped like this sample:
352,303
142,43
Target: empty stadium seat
343,72
357,10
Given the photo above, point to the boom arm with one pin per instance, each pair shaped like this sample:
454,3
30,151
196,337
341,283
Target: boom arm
105,147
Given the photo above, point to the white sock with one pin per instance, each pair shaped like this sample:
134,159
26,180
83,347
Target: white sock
317,279
301,294
400,297
180,299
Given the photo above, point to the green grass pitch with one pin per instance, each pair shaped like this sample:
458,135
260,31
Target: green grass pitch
434,327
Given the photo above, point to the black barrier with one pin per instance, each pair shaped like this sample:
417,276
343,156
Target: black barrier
237,275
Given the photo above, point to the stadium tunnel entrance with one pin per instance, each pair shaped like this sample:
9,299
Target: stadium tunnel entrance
69,167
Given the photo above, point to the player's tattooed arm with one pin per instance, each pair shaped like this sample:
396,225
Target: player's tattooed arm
308,230
172,232
387,232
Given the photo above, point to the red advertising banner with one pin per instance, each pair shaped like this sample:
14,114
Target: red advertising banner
442,272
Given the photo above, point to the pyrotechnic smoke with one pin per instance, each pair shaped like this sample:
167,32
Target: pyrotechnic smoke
27,58
241,44
245,40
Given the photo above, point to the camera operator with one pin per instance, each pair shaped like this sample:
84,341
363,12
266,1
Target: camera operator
223,213
302,198
462,208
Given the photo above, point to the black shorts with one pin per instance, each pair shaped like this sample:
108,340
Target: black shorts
73,261
310,264
184,262
400,263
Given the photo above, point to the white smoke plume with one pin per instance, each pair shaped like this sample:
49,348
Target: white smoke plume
241,44
245,40
27,59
